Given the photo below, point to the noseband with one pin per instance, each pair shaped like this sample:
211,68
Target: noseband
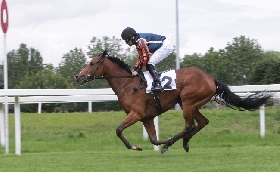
91,76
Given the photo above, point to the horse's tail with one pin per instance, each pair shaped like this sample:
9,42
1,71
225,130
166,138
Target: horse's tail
250,102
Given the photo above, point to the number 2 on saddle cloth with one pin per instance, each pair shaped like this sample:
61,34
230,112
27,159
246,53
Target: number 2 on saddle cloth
167,79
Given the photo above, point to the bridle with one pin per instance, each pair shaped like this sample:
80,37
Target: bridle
91,76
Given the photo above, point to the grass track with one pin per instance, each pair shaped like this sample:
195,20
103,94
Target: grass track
87,142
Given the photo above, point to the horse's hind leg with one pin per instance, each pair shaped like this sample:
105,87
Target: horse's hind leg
201,122
150,128
189,127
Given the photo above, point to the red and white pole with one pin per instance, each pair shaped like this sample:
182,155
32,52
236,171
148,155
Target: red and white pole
4,24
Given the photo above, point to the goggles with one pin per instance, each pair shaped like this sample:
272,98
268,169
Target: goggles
127,40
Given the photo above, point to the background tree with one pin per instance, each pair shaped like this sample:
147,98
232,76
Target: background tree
267,70
213,62
72,63
232,65
23,62
242,55
192,60
44,79
112,45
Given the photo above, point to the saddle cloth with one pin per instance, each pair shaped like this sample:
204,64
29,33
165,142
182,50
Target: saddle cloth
167,79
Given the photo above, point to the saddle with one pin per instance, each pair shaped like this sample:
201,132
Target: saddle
167,79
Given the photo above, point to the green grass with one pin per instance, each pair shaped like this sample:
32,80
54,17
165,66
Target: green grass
87,142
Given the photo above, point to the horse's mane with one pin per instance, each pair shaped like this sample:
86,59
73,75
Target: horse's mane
120,63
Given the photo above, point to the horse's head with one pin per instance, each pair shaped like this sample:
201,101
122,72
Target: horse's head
93,68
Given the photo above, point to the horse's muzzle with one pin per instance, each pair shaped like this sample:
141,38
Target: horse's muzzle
81,80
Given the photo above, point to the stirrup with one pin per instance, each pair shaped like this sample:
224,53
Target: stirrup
157,88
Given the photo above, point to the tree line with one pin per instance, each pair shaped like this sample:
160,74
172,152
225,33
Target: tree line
241,62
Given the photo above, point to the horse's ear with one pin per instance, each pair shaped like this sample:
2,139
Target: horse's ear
105,53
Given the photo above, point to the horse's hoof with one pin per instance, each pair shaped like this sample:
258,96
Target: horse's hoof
187,148
163,150
136,147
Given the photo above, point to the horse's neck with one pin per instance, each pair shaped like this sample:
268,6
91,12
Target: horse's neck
116,83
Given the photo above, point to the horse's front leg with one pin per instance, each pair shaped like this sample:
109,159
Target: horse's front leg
150,128
130,119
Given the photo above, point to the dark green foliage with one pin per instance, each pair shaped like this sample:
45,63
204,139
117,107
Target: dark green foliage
71,64
44,79
192,60
242,55
234,64
23,62
267,70
112,45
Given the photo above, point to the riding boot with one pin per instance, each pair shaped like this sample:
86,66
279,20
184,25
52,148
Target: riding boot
156,78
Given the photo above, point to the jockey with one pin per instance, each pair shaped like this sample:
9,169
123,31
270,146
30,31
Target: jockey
152,49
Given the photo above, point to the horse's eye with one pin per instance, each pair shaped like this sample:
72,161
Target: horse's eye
91,63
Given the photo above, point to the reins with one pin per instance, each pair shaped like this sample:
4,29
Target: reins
101,60
105,77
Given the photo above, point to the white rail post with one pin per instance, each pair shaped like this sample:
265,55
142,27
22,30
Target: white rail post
39,108
2,125
17,127
90,107
145,134
156,148
262,121
6,124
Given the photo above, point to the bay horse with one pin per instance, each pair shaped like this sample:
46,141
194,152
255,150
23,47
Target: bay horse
194,88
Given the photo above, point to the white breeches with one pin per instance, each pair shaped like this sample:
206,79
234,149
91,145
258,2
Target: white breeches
164,51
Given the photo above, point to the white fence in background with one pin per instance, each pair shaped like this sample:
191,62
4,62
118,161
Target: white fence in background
22,96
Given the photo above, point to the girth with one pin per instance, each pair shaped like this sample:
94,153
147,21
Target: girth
156,98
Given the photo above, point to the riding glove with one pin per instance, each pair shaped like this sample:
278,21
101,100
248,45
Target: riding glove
134,73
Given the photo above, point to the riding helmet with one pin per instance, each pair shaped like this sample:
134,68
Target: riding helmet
128,32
